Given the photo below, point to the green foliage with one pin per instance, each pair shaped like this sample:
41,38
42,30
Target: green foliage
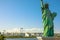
1,37
19,37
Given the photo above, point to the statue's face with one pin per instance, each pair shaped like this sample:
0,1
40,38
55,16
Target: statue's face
46,6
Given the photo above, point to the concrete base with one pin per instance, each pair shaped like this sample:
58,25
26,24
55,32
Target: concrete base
48,38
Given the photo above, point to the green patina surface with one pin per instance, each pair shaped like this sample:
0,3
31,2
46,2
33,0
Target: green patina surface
48,18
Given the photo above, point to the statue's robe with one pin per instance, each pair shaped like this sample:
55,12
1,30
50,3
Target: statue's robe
48,22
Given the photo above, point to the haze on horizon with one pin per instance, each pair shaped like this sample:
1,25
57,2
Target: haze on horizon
26,14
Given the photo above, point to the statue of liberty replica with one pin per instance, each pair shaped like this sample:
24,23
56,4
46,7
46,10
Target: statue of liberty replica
47,18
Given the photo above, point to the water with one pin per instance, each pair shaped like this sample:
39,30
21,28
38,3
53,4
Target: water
21,39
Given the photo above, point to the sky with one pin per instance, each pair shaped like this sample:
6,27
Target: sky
26,14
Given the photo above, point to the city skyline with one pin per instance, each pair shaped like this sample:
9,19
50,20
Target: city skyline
26,14
19,30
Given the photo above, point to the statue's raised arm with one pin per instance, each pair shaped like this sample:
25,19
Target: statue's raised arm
41,3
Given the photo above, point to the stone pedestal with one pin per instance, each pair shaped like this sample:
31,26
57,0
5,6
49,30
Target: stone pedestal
48,38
